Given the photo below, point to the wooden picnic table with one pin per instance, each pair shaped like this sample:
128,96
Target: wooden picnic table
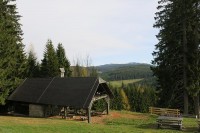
170,121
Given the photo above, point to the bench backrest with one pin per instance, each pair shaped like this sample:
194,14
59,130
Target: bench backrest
164,111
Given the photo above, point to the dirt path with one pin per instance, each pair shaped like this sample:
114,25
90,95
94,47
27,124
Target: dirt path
100,119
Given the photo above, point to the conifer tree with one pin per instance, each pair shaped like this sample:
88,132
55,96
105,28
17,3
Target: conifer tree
33,68
62,60
193,38
174,55
49,65
12,57
116,102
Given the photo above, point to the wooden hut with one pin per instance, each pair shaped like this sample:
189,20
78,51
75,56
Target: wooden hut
41,94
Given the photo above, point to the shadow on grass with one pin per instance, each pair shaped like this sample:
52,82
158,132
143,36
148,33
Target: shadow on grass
150,125
154,126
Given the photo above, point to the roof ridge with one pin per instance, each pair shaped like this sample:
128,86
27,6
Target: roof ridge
45,90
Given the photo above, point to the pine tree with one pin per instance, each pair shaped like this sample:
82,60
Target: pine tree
33,69
12,57
167,54
49,65
43,69
175,51
62,60
116,102
194,56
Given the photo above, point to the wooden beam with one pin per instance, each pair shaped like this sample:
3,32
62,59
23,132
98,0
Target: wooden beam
89,115
95,98
65,113
108,105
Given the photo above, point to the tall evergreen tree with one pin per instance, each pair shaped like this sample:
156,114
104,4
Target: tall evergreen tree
12,57
49,65
174,52
116,102
33,68
62,60
193,37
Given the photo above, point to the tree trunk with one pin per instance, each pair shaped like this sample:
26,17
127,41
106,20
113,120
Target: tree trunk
185,102
196,105
185,63
196,98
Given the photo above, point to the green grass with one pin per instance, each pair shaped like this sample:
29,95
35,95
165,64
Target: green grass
125,82
144,123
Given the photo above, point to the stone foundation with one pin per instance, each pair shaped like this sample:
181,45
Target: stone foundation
36,110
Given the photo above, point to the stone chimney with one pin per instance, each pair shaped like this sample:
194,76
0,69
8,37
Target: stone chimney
62,72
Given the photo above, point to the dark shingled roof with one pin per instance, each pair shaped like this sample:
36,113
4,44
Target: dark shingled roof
76,92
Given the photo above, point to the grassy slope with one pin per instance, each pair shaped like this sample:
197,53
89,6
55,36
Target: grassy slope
118,125
119,82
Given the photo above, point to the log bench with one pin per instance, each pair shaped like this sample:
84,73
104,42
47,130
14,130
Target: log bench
167,117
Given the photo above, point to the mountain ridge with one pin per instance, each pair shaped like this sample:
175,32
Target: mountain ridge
131,70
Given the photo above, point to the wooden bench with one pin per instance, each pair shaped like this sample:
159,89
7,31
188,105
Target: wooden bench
168,117
165,111
198,122
170,121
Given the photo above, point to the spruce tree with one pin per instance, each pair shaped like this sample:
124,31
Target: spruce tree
193,38
62,60
33,68
12,57
167,53
175,51
49,65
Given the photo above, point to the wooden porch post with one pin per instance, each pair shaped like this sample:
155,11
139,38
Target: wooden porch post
108,105
65,113
89,114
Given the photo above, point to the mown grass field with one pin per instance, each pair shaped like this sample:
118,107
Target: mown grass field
116,122
125,82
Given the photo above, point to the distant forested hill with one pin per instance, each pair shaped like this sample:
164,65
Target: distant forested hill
112,72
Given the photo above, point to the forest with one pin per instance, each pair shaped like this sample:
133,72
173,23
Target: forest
125,71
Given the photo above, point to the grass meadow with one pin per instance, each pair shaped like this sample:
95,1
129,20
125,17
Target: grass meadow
115,122
125,82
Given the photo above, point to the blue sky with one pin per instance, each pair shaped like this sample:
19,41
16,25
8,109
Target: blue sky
109,31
